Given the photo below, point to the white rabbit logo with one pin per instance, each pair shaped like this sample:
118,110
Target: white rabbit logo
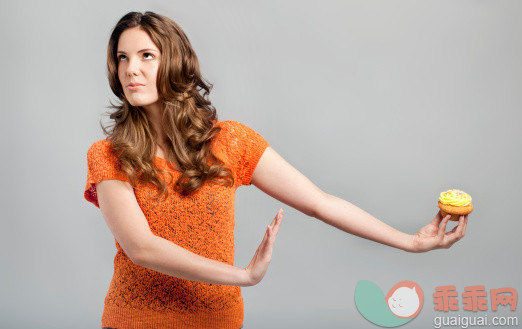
404,302
401,305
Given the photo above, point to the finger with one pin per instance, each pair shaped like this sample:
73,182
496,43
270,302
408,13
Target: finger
460,229
271,226
271,231
266,237
438,218
465,225
277,224
274,227
454,237
274,230
266,247
452,231
271,238
454,234
261,250
276,217
442,227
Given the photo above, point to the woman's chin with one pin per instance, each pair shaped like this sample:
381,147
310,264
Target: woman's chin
137,103
140,102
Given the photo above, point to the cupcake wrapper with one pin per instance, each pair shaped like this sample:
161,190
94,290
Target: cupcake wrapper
454,211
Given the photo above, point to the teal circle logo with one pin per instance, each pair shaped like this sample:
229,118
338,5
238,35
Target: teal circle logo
402,303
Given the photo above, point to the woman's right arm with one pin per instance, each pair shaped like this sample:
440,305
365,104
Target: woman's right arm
130,228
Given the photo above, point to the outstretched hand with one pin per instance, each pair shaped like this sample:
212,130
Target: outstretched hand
433,236
257,268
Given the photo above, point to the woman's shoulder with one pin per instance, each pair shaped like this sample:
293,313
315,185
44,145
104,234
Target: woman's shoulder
100,145
235,135
226,124
233,128
101,149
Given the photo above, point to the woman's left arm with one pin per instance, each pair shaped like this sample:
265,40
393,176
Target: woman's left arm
277,178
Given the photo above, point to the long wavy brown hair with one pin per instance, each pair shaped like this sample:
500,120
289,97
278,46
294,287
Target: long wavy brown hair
188,118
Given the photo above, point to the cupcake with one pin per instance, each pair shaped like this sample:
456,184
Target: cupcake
455,203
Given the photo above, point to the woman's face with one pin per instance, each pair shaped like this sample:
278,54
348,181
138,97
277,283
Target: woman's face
138,62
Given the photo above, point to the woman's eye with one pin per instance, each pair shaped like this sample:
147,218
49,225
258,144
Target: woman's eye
122,57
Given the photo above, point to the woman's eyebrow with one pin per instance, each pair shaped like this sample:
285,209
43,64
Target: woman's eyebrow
147,49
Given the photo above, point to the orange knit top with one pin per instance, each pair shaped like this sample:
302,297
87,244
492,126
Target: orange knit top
202,223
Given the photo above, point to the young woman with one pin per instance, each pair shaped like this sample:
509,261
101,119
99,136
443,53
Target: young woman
165,179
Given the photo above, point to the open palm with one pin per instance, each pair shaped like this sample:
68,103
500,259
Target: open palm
258,266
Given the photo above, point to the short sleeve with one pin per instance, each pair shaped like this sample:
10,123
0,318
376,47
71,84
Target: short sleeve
102,164
246,146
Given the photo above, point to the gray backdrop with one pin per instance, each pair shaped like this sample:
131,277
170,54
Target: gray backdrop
382,103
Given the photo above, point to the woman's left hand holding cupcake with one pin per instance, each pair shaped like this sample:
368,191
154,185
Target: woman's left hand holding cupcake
434,235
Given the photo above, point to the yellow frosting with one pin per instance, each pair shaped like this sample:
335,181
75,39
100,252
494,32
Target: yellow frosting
455,198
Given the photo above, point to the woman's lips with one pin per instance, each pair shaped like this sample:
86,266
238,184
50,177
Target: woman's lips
134,87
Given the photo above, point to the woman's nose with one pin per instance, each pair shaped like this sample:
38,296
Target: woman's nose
133,67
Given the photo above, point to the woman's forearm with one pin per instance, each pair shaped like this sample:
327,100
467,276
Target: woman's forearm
352,219
166,257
